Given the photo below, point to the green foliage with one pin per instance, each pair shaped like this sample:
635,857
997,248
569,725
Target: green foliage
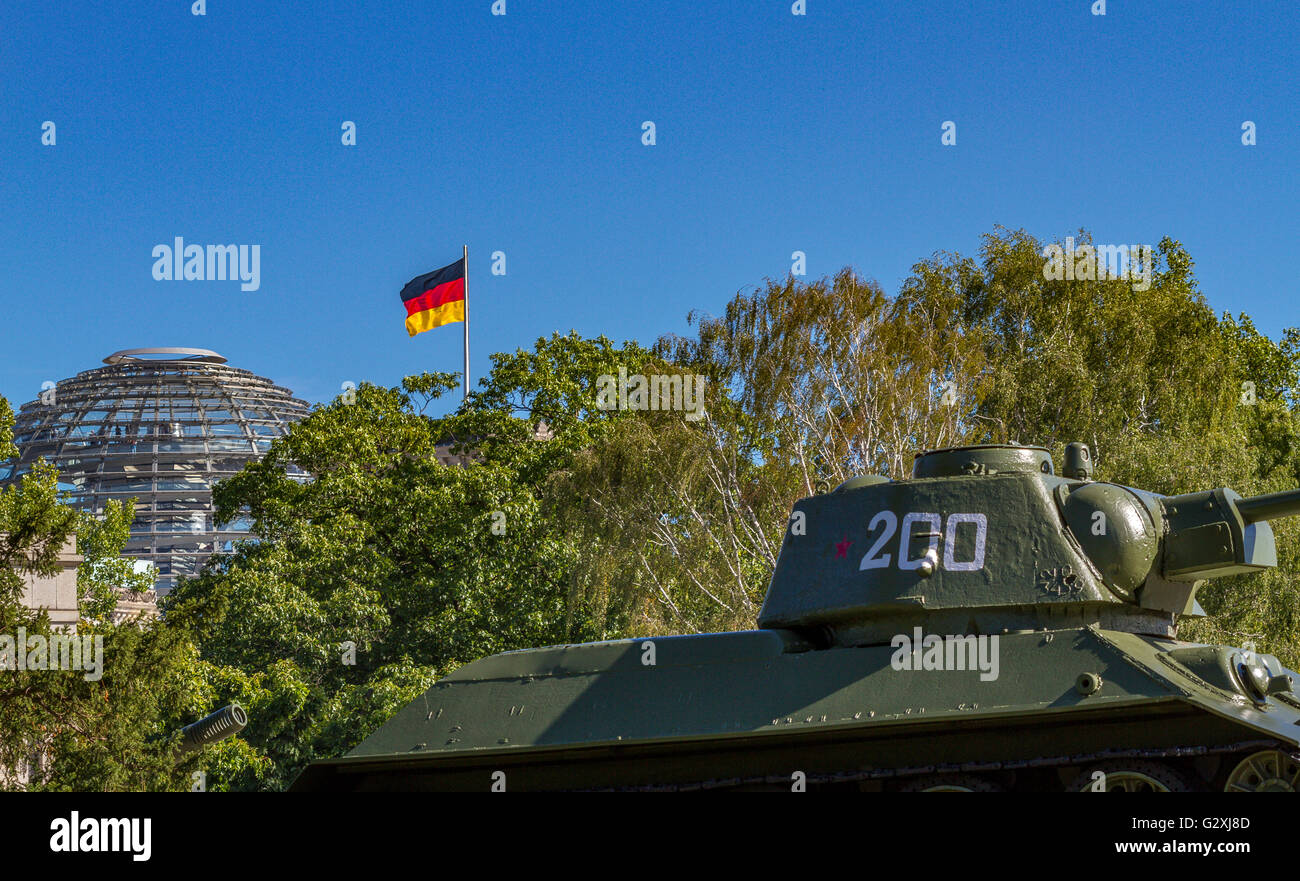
1091,360
391,550
111,725
832,378
7,448
104,575
33,529
380,568
678,524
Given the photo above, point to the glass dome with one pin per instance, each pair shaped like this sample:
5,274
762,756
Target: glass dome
159,426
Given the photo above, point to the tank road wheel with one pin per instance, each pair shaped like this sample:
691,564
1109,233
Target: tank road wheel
949,783
1130,776
1268,771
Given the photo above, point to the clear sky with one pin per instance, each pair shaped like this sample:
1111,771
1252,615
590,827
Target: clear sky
522,133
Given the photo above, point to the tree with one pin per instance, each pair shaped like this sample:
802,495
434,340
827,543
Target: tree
110,724
388,569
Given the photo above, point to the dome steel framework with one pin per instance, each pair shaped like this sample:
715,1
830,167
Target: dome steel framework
158,425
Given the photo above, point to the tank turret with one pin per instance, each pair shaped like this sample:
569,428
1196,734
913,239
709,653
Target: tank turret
989,539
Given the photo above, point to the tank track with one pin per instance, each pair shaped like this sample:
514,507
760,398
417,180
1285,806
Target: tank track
1177,752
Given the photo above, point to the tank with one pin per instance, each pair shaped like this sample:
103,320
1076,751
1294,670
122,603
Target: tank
986,625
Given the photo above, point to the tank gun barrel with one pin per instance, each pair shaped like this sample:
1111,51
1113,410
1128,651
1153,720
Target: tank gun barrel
1270,506
225,722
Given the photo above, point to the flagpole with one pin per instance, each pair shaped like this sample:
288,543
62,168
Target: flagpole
466,307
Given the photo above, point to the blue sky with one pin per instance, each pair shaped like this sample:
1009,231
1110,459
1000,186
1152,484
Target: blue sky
522,133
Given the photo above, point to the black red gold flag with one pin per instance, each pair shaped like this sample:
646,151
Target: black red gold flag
435,298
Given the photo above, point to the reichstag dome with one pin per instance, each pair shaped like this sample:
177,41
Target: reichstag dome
159,426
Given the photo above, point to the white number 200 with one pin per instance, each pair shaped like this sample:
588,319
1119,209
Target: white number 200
874,559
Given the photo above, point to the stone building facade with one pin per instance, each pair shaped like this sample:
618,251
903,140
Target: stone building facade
58,594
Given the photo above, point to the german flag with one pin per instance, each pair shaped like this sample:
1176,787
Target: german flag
435,298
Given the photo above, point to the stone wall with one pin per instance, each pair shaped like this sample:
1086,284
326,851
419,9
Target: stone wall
57,593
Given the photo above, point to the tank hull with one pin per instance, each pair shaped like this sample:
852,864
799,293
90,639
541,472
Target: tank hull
763,709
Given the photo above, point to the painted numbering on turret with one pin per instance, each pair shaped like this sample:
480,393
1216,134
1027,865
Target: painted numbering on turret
875,559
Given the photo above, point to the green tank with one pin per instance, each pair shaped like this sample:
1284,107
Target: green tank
986,625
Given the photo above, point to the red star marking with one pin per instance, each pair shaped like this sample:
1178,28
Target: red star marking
842,547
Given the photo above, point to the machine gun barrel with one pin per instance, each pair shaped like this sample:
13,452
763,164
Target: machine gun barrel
225,722
1270,506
